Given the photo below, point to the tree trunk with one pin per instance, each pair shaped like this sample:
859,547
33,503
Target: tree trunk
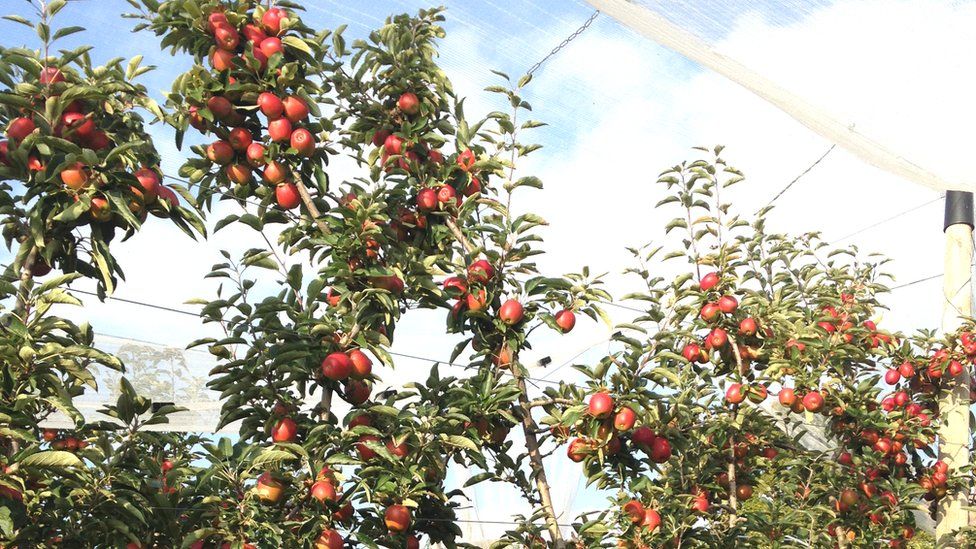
529,427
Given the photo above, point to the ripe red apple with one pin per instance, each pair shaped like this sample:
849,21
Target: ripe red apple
625,419
329,539
709,312
337,366
296,109
220,152
743,492
149,182
446,195
734,394
220,107
360,419
481,271
268,489
356,391
362,366
216,19
286,430
20,128
473,187
566,320
643,436
280,130
700,501
78,125
717,338
660,450
577,450
238,173
476,302
100,209
240,139
270,105
303,142
365,452
255,155
413,542
437,157
271,20
4,149
409,104
892,376
728,304
906,370
275,173
787,397
693,353
652,520
226,37
511,312
748,326
600,405
75,176
50,75
455,285
813,401
168,196
635,510
708,282
390,283
466,160
287,196
379,138
397,518
271,45
393,145
253,33
955,368
221,60
259,56
426,199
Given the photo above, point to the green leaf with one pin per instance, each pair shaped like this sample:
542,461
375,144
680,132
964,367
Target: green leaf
51,459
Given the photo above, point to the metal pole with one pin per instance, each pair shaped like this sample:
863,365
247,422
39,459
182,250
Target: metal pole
954,403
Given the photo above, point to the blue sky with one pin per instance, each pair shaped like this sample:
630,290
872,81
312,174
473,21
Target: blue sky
620,109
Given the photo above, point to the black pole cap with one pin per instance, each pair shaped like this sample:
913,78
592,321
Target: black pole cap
958,208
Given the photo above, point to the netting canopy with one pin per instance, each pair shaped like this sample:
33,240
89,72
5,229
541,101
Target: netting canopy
851,117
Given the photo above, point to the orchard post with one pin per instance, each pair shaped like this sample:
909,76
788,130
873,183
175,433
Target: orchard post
954,402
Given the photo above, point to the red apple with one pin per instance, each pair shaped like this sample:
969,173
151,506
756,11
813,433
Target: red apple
651,521
253,33
280,130
255,155
635,510
149,181
220,107
295,109
446,194
625,419
329,539
600,405
286,430
735,394
271,20
709,312
511,312
272,45
220,152
275,173
708,282
397,518
268,489
748,326
239,139
356,391
270,105
50,75
481,271
728,304
643,436
466,160
75,176
787,397
216,19
409,104
362,366
566,320
337,366
303,142
660,450
426,199
238,173
813,401
577,450
221,60
20,128
226,37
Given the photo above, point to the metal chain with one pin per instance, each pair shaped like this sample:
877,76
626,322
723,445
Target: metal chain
564,43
